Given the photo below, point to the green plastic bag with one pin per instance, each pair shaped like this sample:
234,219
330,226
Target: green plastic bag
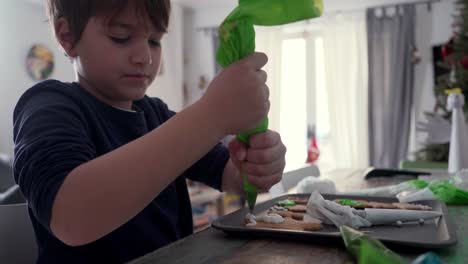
369,250
237,41
366,249
420,184
237,34
448,193
445,191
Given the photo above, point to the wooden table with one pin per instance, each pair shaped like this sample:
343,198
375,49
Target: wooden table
213,246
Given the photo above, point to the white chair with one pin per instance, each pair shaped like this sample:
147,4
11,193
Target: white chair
17,240
291,178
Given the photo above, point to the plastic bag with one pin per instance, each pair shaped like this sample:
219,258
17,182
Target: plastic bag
369,250
311,184
237,34
423,194
428,258
237,40
392,190
332,213
452,191
460,179
366,249
449,193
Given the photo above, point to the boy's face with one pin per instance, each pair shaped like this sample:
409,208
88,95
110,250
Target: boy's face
117,61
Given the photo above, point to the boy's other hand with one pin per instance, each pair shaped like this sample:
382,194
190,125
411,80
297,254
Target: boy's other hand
237,98
263,161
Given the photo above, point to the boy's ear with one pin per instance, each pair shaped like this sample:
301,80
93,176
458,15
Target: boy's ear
65,37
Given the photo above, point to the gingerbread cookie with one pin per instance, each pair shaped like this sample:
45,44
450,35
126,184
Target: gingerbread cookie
361,204
297,208
295,216
407,206
299,200
275,221
356,204
382,205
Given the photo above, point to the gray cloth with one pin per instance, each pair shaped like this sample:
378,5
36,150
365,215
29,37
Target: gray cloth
390,41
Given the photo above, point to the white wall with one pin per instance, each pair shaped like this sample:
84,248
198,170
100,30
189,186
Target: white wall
199,57
23,24
168,85
442,19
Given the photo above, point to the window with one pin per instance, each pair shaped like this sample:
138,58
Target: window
293,115
304,98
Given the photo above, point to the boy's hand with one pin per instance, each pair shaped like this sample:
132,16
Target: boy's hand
263,161
237,98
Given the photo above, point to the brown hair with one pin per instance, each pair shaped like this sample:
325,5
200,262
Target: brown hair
78,12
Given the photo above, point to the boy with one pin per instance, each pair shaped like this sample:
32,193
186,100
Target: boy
102,166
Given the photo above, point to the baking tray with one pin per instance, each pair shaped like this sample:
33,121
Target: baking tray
438,233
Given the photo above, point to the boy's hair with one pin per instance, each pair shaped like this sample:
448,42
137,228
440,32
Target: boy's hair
78,12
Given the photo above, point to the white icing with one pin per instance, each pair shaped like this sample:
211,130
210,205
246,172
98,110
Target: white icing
251,220
310,219
278,208
272,218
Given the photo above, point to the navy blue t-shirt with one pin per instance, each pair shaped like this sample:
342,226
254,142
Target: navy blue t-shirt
57,127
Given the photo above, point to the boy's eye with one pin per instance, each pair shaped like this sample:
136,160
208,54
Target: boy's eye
155,43
119,40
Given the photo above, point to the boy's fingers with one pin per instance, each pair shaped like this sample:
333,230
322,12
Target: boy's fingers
273,168
267,155
257,60
264,140
263,76
262,182
237,149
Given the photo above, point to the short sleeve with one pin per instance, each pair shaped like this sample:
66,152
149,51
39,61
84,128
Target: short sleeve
51,139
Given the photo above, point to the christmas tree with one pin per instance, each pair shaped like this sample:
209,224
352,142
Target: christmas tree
455,60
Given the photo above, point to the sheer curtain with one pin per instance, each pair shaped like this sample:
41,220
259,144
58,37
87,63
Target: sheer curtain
268,40
286,70
346,81
338,44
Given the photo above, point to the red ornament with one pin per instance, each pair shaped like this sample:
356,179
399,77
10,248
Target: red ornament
447,49
464,62
313,152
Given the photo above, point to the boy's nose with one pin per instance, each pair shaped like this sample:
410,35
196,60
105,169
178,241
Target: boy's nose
141,54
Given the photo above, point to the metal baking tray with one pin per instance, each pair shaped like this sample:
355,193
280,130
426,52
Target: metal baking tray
438,233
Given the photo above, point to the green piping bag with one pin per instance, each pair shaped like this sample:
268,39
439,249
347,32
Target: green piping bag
237,41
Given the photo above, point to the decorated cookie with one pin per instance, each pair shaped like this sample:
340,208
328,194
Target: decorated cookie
382,205
299,200
408,206
286,203
358,204
295,216
275,221
297,208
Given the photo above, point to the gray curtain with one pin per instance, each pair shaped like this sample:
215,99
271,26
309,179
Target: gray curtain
391,40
